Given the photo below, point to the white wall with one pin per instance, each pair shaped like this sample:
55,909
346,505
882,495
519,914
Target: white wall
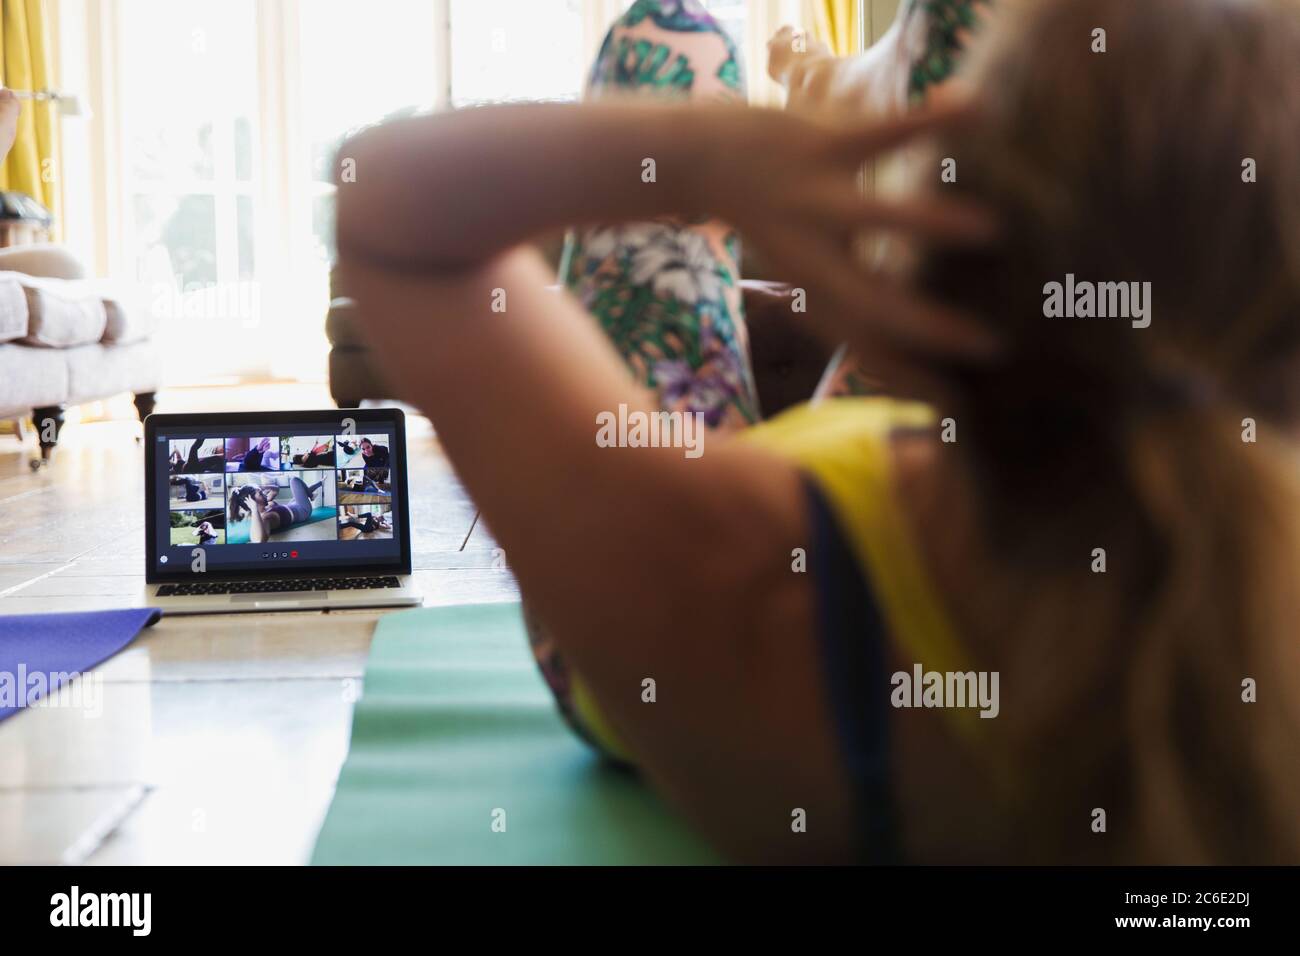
880,14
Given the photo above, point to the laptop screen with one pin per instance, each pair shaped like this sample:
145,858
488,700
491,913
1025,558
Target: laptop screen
283,497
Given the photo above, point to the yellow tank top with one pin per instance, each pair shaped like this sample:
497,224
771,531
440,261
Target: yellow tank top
843,446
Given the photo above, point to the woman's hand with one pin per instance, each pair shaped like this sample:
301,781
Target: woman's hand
790,184
807,69
790,50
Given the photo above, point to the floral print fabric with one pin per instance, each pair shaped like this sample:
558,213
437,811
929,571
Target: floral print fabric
667,292
948,25
934,35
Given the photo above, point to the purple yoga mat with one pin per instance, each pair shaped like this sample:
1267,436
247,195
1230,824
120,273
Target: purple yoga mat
39,653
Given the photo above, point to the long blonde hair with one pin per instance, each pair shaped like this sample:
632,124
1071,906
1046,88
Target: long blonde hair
1166,453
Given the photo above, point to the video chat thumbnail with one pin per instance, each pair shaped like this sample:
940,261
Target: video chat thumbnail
193,491
363,451
282,506
198,527
304,451
195,456
365,522
252,454
365,486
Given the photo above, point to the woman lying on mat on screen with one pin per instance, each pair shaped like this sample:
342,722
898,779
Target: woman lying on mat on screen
194,489
266,514
366,523
192,463
320,456
767,630
255,458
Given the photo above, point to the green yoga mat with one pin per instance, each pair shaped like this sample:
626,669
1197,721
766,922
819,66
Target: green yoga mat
455,726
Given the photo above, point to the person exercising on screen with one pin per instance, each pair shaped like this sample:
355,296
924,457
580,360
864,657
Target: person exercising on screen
252,460
194,490
320,456
375,456
206,533
192,463
367,523
266,514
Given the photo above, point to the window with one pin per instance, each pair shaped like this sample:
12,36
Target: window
229,116
498,54
210,169
355,71
188,147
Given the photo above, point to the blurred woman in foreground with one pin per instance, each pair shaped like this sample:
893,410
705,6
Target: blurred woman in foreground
1101,514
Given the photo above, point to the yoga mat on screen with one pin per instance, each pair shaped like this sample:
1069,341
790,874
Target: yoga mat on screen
454,724
39,653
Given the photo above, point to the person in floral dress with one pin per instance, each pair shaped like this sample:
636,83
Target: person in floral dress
667,292
909,66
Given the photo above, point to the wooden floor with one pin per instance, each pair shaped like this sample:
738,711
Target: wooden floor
218,738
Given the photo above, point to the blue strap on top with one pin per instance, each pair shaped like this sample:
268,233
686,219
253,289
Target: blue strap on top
852,637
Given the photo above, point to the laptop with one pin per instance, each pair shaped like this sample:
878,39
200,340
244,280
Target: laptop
277,511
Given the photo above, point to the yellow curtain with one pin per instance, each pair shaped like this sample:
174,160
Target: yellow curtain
836,23
35,164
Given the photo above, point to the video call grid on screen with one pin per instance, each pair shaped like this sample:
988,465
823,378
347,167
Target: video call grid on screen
324,500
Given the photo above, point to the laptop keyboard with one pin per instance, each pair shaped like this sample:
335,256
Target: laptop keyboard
277,587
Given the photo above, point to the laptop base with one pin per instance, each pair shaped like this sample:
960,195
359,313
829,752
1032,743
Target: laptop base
261,602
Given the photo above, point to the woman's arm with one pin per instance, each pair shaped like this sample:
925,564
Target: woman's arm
641,562
516,398
874,81
450,191
256,523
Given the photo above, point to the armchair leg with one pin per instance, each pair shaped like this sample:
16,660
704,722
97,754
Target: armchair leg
144,403
49,422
